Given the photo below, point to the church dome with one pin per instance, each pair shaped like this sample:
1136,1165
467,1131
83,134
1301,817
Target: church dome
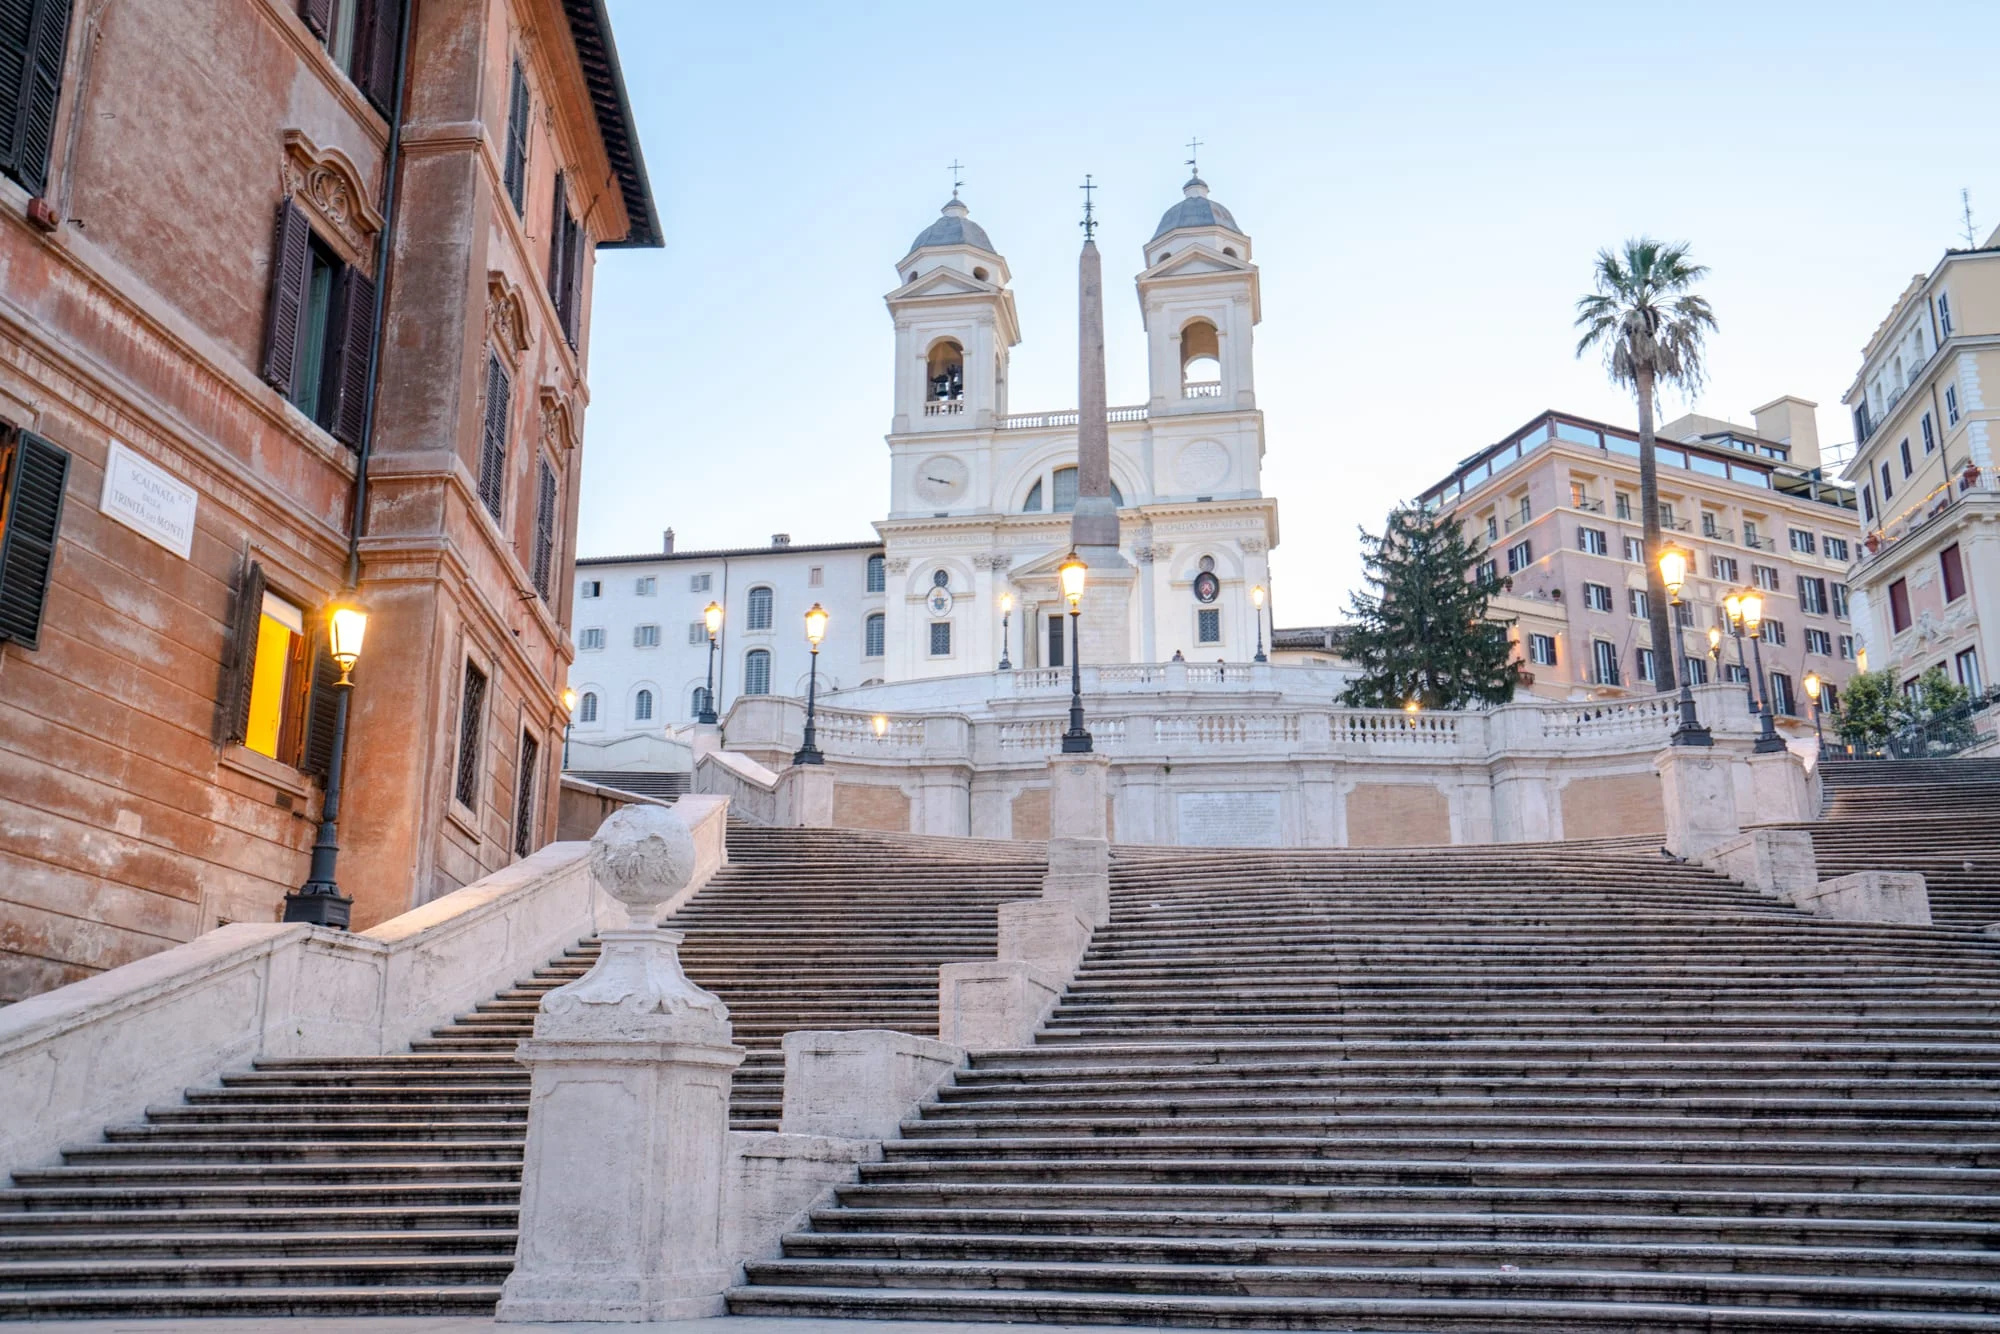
1195,210
955,227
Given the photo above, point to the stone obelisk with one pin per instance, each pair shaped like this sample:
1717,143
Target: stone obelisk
1093,525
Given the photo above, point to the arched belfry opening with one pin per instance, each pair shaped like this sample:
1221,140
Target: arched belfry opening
1201,361
945,372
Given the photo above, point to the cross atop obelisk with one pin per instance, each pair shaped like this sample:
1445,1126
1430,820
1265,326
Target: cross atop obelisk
1094,523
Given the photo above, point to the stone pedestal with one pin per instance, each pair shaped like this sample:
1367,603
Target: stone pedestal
805,797
994,1005
1778,862
861,1084
1047,934
628,1113
707,740
1698,794
1079,845
1780,789
1899,897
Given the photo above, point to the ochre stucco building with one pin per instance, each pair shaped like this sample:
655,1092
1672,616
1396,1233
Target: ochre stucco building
192,223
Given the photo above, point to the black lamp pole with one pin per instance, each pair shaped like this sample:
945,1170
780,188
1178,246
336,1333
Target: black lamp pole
1006,613
809,753
319,901
1076,741
1768,740
707,714
1260,635
1690,732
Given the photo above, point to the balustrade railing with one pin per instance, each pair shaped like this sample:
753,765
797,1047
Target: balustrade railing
1202,389
944,407
1389,727
1030,421
1226,729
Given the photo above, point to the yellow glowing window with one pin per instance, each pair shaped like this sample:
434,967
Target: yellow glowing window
278,682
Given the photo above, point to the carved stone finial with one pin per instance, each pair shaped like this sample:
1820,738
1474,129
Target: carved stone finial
642,856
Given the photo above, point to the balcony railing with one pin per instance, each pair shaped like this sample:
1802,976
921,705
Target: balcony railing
1202,389
944,407
1034,421
1587,505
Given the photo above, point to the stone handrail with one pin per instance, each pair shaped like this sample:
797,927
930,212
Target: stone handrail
99,1051
751,789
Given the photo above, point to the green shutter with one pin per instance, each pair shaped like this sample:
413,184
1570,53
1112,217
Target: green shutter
31,501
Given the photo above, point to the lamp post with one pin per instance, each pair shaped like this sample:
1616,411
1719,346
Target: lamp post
815,631
1732,607
1673,572
711,616
1006,614
1768,740
569,719
1813,687
1076,741
319,901
1257,606
1411,708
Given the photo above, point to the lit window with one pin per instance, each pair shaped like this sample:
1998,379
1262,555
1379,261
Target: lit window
279,681
757,672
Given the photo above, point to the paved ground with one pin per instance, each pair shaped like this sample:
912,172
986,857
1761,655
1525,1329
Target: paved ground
483,1325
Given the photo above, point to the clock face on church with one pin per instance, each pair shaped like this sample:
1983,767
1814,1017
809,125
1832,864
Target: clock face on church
941,479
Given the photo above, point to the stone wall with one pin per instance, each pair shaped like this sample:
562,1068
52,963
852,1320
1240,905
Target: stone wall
871,806
1612,805
1397,815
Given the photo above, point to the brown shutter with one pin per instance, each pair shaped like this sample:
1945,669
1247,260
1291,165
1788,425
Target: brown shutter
322,710
291,267
572,306
545,530
239,666
375,54
493,445
524,796
318,15
515,172
32,476
350,364
34,35
558,240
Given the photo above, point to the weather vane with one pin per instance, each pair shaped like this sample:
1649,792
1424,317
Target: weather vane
956,179
1194,151
1089,223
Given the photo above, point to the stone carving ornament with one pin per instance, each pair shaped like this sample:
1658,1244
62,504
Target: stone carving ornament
1203,466
331,189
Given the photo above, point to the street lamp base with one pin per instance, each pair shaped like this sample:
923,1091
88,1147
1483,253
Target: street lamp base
706,718
1692,734
810,755
1076,743
319,903
1768,745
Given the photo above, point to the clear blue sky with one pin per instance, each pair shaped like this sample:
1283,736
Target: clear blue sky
1426,187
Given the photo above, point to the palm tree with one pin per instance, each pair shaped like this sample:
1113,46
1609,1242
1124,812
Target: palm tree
1649,325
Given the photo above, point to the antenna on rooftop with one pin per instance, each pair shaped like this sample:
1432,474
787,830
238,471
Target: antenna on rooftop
1965,205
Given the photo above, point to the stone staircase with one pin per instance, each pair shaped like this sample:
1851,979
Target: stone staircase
388,1185
1940,817
1567,1087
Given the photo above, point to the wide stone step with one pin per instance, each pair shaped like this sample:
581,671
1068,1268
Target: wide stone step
389,1298
1417,1123
488,1243
248,1223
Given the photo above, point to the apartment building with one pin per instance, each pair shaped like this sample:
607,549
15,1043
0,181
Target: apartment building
1927,570
642,657
1556,506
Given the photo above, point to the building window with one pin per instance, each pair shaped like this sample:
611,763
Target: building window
568,249
1812,595
700,583
1819,641
646,585
33,475
1772,632
279,674
1750,534
1683,615
1492,529
874,637
940,639
590,588
1597,597
642,706
645,636
1829,697
1065,483
1835,547
816,577
1847,648
1944,314
515,169
1635,550
1695,670
1542,650
1525,511
1621,505
1930,436
471,713
1899,605
1722,568
524,796
1486,570
1208,626
1736,673
1519,557
493,440
697,632
1666,515
1888,487
757,672
1055,656
698,702
1604,662
1594,541
1033,504
1802,541
1951,405
586,708
545,531
35,36
1904,448
590,638
940,578
1868,503
1967,665
878,574
760,608
359,36
1782,698
1953,570
1637,603
1765,577
317,327
1643,658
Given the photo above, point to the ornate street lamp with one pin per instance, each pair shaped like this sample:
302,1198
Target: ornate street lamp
1750,611
711,616
1673,573
569,719
1257,609
1813,688
815,631
1411,708
319,901
1076,741
1006,613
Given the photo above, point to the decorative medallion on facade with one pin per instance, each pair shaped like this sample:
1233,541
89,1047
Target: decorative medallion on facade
562,429
506,315
334,194
1203,466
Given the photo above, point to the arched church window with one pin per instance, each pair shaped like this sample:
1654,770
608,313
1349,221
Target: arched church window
642,706
1034,502
1230,251
1065,484
940,578
1201,361
586,708
760,608
945,371
979,274
877,574
757,672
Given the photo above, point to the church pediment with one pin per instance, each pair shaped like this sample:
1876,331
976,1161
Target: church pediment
943,282
1194,261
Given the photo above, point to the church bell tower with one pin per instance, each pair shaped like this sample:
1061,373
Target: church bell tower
955,323
1199,298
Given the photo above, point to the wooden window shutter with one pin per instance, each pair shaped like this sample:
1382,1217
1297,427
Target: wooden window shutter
318,15
240,655
291,268
350,365
493,448
34,35
572,302
322,710
558,240
33,472
518,107
524,796
545,530
375,54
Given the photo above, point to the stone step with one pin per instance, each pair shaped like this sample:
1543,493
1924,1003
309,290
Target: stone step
290,1299
487,1242
939,1122
247,1224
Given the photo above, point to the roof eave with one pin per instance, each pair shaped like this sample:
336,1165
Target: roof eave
590,30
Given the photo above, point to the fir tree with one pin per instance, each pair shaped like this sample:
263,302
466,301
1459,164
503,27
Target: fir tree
1422,632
